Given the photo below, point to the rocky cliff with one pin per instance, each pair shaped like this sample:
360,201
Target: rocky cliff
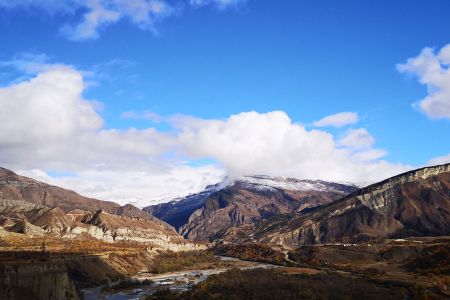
36,220
36,282
415,203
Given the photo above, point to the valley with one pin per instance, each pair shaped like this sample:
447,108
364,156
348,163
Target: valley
390,238
224,150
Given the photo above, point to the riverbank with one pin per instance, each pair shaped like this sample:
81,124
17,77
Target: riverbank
174,281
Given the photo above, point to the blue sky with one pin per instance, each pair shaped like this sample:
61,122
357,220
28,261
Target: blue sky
214,59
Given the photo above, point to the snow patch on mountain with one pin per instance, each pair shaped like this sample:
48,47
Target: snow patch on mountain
262,183
270,183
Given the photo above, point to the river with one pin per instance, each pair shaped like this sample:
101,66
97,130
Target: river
176,281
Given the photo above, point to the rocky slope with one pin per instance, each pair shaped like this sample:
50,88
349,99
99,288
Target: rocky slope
13,186
178,211
416,203
246,201
118,228
36,220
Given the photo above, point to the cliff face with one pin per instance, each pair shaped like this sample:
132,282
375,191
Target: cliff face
35,220
415,203
36,281
119,228
252,199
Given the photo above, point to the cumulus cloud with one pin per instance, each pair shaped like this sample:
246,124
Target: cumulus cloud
433,70
338,120
254,143
46,108
97,14
47,119
140,188
48,126
357,138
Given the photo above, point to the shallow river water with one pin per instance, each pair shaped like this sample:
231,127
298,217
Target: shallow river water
176,281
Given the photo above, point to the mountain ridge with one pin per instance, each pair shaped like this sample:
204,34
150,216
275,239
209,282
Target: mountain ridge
412,203
17,187
247,199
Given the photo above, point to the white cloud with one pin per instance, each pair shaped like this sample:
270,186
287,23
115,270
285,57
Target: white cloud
359,142
254,143
432,70
47,120
141,188
357,138
47,125
143,13
46,108
445,159
368,154
98,14
338,120
28,63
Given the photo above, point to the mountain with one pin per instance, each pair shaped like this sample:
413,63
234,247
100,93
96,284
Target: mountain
415,203
132,211
178,211
34,208
18,216
16,187
247,200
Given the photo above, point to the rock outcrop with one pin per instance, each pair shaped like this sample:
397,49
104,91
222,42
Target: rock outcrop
35,220
416,203
34,208
36,282
120,228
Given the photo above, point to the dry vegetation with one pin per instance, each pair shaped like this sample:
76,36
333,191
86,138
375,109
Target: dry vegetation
272,284
252,252
177,261
400,268
434,260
